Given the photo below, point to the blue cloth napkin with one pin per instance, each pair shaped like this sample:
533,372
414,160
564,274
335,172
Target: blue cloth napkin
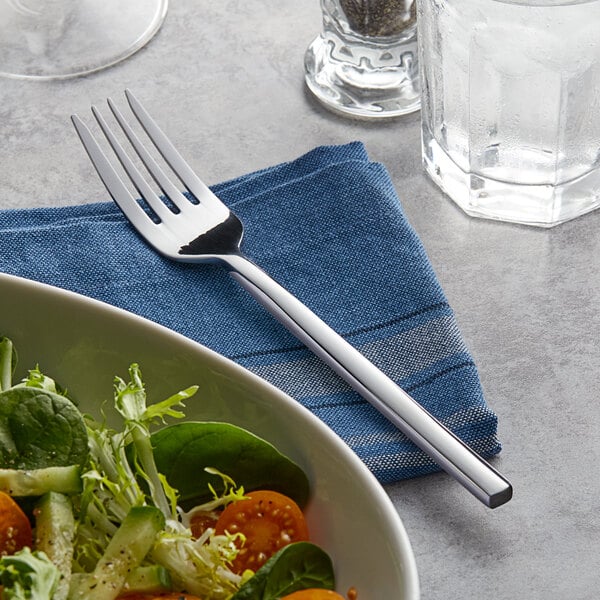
330,228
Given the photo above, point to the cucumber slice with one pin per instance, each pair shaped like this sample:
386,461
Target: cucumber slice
36,482
152,579
54,532
124,553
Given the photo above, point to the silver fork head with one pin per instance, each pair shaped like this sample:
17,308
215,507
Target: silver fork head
192,227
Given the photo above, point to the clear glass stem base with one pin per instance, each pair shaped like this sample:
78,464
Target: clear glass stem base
527,204
355,79
57,39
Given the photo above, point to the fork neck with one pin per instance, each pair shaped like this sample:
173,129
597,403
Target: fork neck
237,262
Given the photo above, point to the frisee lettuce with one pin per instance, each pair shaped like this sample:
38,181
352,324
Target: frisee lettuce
118,480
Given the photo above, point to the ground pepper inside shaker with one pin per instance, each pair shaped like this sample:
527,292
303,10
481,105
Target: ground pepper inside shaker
380,18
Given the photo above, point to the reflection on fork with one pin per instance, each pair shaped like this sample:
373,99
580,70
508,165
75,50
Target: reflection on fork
200,228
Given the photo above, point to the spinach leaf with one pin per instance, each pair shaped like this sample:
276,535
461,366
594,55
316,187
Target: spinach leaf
295,567
184,450
39,429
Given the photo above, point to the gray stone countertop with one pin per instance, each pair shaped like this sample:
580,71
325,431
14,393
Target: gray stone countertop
226,79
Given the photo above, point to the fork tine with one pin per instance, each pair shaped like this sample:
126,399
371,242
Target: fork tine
166,185
146,192
117,189
193,183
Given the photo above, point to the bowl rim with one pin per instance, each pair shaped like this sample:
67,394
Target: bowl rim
385,504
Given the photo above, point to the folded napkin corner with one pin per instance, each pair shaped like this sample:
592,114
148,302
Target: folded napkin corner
329,227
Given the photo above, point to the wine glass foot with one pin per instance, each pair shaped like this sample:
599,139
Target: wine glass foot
58,39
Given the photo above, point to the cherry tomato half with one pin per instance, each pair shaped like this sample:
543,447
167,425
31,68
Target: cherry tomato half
313,594
15,528
201,521
268,520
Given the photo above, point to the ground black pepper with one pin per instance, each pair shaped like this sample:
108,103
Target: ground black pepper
379,17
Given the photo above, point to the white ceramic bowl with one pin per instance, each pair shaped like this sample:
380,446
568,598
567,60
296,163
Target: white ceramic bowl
84,343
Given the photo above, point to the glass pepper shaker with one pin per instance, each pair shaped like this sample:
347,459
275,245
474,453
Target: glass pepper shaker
364,62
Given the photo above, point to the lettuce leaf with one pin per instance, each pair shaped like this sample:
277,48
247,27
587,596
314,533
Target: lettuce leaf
28,575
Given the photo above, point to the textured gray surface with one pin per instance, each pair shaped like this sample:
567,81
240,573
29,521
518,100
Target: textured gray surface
225,80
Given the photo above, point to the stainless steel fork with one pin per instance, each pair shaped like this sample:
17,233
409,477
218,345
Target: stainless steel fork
205,230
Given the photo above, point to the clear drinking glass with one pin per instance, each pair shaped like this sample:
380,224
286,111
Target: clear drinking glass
54,39
511,106
364,62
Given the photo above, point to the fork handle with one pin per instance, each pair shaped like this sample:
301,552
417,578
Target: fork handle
446,449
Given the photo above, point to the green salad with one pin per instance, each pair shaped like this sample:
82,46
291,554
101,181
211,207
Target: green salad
158,507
